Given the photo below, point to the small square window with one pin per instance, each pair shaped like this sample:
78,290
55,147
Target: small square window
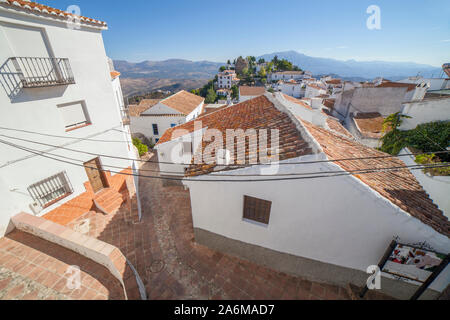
74,114
257,209
155,129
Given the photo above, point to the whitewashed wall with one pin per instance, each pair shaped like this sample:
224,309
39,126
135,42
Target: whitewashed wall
143,123
36,110
429,110
438,187
334,220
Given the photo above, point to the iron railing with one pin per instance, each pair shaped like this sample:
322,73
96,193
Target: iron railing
37,72
50,190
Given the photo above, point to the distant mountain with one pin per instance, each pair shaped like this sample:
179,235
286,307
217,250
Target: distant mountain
141,86
177,74
168,69
353,68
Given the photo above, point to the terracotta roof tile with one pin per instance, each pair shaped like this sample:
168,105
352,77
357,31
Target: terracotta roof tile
251,91
258,113
144,105
336,126
399,187
297,101
370,125
37,8
183,101
114,74
389,84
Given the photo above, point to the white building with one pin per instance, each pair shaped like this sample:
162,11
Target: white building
326,228
435,84
314,90
226,79
56,90
285,75
292,88
153,117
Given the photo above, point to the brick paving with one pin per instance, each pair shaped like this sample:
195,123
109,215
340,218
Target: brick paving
34,269
173,266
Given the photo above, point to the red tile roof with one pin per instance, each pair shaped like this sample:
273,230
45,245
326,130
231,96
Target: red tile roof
114,74
251,91
36,8
399,187
258,113
389,84
183,101
144,105
336,126
297,101
369,124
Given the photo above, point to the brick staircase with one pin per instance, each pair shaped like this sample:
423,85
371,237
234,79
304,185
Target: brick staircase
108,201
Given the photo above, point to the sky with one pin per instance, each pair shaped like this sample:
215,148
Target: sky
410,30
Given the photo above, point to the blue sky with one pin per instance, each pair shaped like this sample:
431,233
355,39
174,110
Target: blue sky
411,30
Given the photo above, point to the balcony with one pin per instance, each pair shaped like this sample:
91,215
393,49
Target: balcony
35,72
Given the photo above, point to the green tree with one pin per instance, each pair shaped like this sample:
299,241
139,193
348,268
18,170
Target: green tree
262,72
261,60
222,68
234,92
211,96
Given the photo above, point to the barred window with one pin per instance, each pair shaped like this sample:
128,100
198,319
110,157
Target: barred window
48,191
257,209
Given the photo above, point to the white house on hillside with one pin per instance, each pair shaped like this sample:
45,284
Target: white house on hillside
226,79
57,93
152,118
285,75
294,216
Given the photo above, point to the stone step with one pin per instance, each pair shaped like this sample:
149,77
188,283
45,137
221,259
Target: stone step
108,201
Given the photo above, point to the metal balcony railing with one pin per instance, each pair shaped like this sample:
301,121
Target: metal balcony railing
50,190
35,72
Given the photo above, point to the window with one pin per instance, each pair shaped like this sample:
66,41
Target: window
74,115
257,209
155,129
187,148
51,190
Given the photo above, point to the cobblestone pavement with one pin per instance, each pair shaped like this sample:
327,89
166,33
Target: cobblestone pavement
34,269
173,266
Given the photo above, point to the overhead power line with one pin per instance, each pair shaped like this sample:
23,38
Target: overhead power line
230,165
177,173
319,174
64,137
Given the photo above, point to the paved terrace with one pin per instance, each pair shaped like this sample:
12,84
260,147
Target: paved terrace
173,266
34,269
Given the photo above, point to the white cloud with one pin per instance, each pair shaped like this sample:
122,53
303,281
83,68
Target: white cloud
447,40
342,47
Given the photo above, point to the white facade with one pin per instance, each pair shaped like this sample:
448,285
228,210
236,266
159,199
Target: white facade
425,111
153,122
434,83
285,75
296,90
312,91
339,220
42,110
438,187
226,79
